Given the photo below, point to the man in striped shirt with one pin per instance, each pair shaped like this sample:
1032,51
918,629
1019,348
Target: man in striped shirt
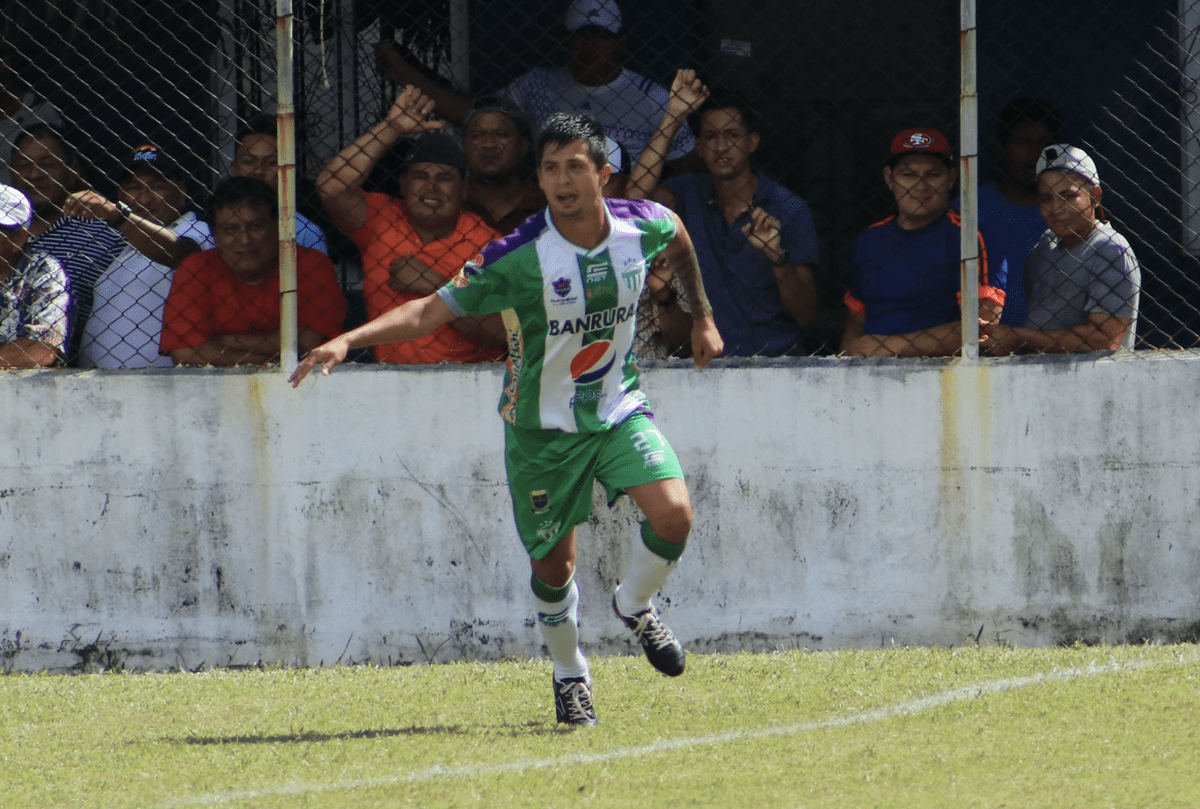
47,170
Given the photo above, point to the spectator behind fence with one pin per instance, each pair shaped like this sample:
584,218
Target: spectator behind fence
126,321
1083,278
223,308
594,80
20,105
756,241
33,291
904,292
495,143
411,247
257,155
1008,207
47,169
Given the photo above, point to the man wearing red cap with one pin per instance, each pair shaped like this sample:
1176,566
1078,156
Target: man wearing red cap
903,288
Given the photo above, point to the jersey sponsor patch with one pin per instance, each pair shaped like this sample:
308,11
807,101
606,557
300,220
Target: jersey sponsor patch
593,362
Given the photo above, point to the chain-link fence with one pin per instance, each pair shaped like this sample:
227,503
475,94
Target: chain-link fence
813,156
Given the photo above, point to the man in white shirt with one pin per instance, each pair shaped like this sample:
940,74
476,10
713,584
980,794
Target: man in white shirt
123,330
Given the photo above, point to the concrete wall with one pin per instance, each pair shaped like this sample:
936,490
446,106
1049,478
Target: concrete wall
187,519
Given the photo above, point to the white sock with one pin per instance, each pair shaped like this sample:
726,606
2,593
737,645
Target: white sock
559,621
647,574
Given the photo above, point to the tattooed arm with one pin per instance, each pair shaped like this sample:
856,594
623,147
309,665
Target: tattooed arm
679,258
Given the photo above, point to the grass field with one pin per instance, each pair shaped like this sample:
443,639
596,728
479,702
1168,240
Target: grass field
901,727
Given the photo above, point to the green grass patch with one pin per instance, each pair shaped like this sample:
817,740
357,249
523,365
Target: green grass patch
1078,727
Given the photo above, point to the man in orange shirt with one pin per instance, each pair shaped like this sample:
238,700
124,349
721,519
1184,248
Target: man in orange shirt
223,308
410,247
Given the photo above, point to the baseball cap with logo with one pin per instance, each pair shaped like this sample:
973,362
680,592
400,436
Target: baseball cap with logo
1064,157
604,14
15,210
149,156
921,141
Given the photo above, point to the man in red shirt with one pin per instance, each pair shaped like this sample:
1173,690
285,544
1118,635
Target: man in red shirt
410,247
223,308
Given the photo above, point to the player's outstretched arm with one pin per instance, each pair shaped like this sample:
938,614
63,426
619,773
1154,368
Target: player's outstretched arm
413,319
680,259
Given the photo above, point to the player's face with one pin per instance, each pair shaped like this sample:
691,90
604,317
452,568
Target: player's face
40,169
921,185
1020,154
493,145
434,193
153,196
258,156
725,144
1068,205
571,181
247,237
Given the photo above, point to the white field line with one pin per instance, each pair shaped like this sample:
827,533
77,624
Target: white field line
437,771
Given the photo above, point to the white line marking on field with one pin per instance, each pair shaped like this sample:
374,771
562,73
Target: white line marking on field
914,706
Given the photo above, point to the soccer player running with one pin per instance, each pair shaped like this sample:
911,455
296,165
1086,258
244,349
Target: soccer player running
568,282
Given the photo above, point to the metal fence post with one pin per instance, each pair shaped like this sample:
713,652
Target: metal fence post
969,185
286,129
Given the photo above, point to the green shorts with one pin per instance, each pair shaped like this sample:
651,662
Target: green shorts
550,474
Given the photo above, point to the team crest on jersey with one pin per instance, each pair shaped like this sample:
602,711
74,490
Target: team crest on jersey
593,362
540,500
562,287
918,140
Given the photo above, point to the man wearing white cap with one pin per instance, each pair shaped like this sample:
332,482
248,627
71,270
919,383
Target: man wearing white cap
33,292
594,80
1083,278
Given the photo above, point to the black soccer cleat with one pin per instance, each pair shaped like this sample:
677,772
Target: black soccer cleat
573,701
663,651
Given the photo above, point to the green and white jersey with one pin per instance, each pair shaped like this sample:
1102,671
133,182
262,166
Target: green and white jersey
570,313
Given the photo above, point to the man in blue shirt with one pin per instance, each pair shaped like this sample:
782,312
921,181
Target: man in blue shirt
257,155
755,240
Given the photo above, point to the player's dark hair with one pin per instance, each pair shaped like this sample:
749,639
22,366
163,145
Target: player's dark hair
1028,111
238,191
722,99
566,127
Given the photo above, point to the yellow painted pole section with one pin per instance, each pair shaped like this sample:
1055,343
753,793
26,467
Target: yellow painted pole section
286,130
969,184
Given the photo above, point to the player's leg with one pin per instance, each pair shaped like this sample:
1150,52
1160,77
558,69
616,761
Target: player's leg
640,461
547,481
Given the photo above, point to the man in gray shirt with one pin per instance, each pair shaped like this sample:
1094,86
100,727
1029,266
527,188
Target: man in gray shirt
1082,279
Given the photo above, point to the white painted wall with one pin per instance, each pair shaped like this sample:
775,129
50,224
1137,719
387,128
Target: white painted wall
191,518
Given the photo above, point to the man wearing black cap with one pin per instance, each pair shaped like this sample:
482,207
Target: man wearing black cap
411,246
495,143
124,328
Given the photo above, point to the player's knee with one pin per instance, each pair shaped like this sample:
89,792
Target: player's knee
674,523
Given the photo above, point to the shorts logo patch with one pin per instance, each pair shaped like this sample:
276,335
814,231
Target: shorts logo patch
548,529
540,500
593,362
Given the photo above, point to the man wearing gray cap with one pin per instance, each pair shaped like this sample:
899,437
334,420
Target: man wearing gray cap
411,246
33,292
594,80
1083,279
